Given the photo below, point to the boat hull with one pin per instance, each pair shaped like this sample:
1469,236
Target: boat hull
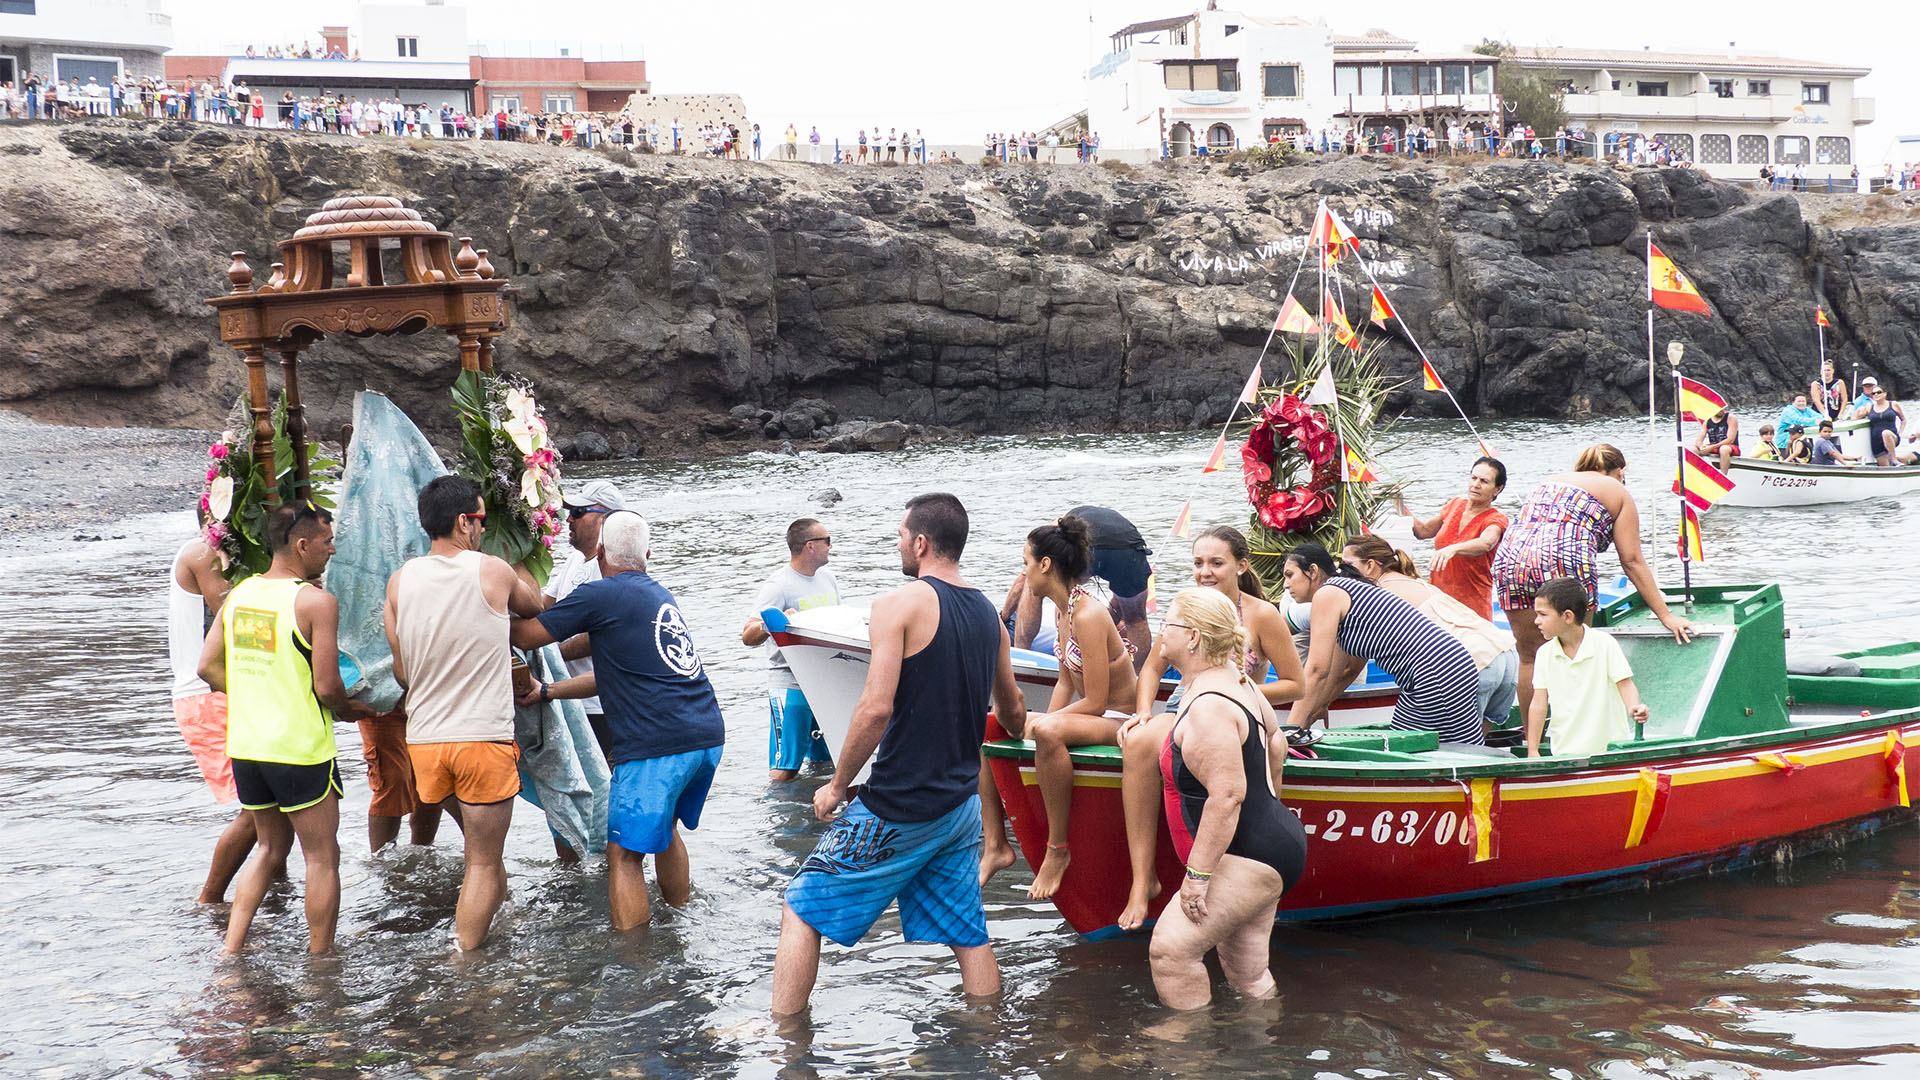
1774,483
1381,843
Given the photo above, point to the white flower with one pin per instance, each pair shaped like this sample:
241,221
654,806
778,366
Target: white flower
525,435
220,497
530,487
520,405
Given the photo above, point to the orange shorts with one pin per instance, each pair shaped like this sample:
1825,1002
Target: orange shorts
203,721
473,772
383,742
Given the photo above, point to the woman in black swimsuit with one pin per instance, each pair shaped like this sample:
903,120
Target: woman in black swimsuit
1242,847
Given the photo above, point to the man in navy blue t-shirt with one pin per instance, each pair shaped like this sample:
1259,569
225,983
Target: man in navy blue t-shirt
663,721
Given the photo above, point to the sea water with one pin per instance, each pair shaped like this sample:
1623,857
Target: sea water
107,967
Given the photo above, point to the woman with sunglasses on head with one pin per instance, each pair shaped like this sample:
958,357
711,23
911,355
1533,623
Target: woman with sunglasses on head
1221,562
1095,690
1242,848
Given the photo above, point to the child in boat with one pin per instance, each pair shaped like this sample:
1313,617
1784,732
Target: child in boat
1765,451
1581,674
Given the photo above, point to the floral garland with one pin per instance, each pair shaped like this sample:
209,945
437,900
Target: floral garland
505,449
1286,427
235,503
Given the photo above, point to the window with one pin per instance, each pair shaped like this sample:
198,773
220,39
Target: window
1680,146
1373,80
1653,89
1759,87
1790,150
1453,79
556,103
1483,78
1616,84
1716,150
101,69
505,102
9,70
1814,93
1219,138
1280,80
1400,78
1429,78
1833,150
1753,149
1285,129
1201,74
1721,88
1346,80
409,46
16,7
1232,29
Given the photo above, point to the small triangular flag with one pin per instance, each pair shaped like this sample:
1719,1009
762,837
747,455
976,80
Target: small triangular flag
1250,393
1382,311
1432,376
1294,319
1183,521
1322,391
1353,470
1820,317
1219,455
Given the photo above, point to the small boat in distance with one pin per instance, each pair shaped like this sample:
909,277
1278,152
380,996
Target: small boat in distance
1763,483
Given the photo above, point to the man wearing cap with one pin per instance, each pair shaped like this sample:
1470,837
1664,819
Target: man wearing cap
587,505
804,583
664,726
1865,400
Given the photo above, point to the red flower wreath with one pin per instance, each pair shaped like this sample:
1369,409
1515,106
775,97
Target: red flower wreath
1286,424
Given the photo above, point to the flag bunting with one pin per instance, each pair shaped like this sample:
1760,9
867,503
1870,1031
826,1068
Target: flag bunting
1690,533
1219,455
1183,521
1353,470
1250,393
1294,319
1342,330
1382,311
1432,377
1323,391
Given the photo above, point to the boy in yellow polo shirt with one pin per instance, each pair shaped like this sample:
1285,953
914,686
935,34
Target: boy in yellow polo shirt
1582,673
275,654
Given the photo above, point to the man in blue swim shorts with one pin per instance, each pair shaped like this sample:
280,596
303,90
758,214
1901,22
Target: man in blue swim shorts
912,833
663,722
801,585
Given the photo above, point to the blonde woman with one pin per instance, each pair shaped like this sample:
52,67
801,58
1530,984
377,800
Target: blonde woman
1242,847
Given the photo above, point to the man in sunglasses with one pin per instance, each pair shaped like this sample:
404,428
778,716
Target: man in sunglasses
802,584
447,623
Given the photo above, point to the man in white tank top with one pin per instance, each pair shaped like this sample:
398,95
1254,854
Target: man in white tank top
446,619
195,590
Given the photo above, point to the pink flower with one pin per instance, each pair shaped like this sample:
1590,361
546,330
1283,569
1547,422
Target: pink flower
212,471
217,451
206,504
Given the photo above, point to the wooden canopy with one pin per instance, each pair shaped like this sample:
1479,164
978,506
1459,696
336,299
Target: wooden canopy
362,265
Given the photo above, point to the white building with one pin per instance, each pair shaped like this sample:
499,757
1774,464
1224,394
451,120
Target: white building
1230,79
1729,114
82,39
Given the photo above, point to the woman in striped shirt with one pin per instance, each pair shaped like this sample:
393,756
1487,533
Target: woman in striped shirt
1354,621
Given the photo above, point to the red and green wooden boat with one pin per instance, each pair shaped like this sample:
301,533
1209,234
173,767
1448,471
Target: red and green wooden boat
1740,762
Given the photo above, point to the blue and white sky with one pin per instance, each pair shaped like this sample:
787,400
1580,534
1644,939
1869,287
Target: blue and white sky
958,70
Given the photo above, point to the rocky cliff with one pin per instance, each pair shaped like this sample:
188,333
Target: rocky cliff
673,303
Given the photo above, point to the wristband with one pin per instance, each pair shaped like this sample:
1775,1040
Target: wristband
546,692
1199,875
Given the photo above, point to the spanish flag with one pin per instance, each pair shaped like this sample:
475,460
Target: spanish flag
1353,470
1219,455
1820,317
1690,535
1382,311
1697,402
1342,330
1669,287
1650,793
1432,376
1705,484
1183,521
1250,393
1294,319
1331,234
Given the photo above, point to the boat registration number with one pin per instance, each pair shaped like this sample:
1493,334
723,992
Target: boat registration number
1406,828
1790,481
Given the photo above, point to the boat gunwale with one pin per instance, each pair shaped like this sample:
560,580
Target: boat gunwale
1528,768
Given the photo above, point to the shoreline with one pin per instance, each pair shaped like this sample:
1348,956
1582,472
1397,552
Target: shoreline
58,477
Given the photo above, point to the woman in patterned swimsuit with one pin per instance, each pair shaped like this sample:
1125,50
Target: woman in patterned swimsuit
1567,522
1095,691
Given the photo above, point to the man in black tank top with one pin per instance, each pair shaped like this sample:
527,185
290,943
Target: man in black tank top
912,832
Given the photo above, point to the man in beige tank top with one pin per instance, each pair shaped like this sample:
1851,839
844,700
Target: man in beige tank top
447,620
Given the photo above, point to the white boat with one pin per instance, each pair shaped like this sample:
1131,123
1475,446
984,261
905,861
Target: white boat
828,651
1758,482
